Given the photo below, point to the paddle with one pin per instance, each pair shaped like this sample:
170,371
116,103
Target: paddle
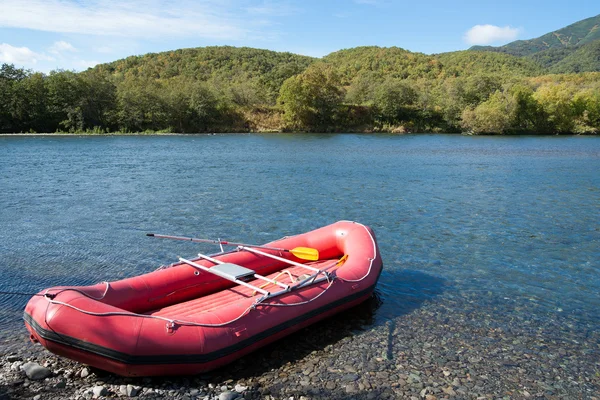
304,253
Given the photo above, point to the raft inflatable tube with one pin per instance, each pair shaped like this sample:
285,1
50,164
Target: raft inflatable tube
205,312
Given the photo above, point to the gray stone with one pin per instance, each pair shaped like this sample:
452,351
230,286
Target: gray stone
132,391
240,388
84,372
16,366
449,391
351,388
37,397
349,377
35,371
228,395
382,375
350,368
99,391
60,384
12,358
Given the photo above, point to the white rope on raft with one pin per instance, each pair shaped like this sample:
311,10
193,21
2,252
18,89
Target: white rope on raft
370,259
170,322
301,303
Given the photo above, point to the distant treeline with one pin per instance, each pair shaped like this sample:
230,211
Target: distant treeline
365,89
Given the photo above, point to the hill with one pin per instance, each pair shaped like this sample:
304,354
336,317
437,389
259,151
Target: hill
392,62
204,63
222,65
480,62
584,59
364,89
574,43
572,36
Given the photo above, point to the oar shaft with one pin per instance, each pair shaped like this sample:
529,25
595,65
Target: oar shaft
224,242
189,239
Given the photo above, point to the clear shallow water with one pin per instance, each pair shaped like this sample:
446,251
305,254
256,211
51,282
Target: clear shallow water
516,219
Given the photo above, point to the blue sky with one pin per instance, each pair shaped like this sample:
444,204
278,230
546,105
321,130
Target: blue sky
75,34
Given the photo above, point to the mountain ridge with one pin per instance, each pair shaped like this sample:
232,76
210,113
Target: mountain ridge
559,50
574,35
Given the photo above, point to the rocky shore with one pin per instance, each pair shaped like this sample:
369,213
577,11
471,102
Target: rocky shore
453,346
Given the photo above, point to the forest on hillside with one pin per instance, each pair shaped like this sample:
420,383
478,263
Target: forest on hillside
364,89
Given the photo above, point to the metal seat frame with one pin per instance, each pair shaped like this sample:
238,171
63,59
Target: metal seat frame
236,273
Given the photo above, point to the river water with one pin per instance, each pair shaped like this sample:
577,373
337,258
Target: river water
505,221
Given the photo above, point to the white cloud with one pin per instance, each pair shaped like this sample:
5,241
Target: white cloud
20,55
61,47
488,34
134,19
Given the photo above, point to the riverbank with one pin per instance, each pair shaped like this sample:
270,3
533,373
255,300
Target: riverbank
457,345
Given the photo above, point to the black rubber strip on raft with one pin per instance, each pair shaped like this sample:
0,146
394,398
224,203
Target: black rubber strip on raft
183,358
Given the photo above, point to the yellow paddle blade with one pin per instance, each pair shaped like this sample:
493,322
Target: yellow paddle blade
305,253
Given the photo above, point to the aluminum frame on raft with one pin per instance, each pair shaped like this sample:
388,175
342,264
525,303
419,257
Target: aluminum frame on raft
229,273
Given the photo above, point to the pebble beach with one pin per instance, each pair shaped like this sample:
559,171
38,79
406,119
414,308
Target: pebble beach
452,346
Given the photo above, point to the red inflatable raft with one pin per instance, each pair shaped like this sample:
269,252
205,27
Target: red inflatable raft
205,312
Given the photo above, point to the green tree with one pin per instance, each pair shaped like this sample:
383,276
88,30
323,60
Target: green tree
140,106
80,101
478,88
361,90
98,102
312,100
529,115
587,109
65,90
29,106
393,101
10,76
495,115
204,107
556,101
